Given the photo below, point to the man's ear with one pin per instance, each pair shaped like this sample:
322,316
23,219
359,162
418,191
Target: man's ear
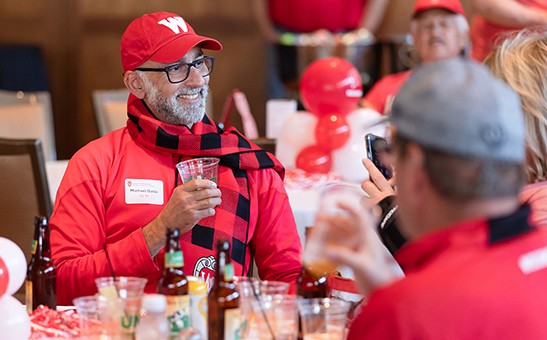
135,84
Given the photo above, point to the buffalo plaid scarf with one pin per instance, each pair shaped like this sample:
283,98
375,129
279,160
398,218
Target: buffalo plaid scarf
237,154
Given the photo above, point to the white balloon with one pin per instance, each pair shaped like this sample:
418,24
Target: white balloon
347,161
299,130
15,262
14,319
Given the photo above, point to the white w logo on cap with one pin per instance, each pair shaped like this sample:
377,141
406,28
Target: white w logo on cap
174,23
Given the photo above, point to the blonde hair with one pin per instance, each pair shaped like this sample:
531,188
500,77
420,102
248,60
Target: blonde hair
521,61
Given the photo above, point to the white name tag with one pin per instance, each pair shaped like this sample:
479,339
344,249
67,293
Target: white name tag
143,191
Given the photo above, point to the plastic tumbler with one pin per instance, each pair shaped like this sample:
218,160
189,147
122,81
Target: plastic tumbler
274,317
323,319
124,293
199,168
88,315
246,287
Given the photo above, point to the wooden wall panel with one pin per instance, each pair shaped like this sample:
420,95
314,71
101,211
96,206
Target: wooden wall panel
80,40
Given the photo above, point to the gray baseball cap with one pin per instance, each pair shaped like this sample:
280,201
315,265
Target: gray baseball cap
459,107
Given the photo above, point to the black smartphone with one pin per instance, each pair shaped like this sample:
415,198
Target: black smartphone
376,147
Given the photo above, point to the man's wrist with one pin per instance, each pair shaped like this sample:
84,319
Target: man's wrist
154,237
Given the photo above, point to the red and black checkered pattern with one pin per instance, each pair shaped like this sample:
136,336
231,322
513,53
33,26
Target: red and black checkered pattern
237,154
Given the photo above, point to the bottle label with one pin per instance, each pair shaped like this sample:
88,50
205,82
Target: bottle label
178,313
34,243
232,322
229,272
28,295
174,259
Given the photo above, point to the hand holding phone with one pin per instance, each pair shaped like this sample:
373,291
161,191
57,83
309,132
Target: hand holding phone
376,147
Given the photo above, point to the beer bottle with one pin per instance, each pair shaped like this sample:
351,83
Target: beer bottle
223,299
312,283
174,285
41,282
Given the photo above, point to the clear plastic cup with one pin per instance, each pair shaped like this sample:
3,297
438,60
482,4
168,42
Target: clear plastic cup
274,316
199,168
323,319
272,287
246,287
88,315
331,197
99,318
123,297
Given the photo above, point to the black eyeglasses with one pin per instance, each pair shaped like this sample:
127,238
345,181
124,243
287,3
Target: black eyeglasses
178,73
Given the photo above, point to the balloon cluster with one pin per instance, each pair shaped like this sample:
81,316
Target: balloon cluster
330,89
14,319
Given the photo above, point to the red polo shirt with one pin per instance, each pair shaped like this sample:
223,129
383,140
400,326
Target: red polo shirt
478,279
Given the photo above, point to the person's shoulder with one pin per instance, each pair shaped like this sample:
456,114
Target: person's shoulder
395,77
267,175
103,149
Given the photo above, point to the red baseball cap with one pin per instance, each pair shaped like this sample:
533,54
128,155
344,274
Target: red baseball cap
162,37
450,5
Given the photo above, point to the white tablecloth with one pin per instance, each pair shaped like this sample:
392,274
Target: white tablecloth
304,204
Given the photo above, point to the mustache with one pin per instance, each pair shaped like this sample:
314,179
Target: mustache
195,90
436,40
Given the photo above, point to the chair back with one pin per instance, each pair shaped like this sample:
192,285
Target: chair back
28,115
110,108
24,188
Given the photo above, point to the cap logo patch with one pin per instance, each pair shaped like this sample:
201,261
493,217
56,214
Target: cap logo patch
492,134
175,24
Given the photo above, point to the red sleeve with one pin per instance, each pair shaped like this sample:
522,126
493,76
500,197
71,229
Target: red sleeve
384,90
276,244
78,233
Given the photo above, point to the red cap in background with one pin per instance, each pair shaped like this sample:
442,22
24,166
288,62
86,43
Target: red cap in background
162,37
450,5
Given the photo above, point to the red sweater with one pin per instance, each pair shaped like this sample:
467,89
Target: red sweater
91,210
382,93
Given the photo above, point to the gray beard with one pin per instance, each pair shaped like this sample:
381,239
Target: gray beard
169,108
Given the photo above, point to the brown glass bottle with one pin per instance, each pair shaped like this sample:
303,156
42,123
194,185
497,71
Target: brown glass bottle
312,283
311,286
174,285
223,300
41,282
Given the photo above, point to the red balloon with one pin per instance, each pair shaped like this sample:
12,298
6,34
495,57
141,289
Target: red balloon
332,132
314,159
330,86
4,277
